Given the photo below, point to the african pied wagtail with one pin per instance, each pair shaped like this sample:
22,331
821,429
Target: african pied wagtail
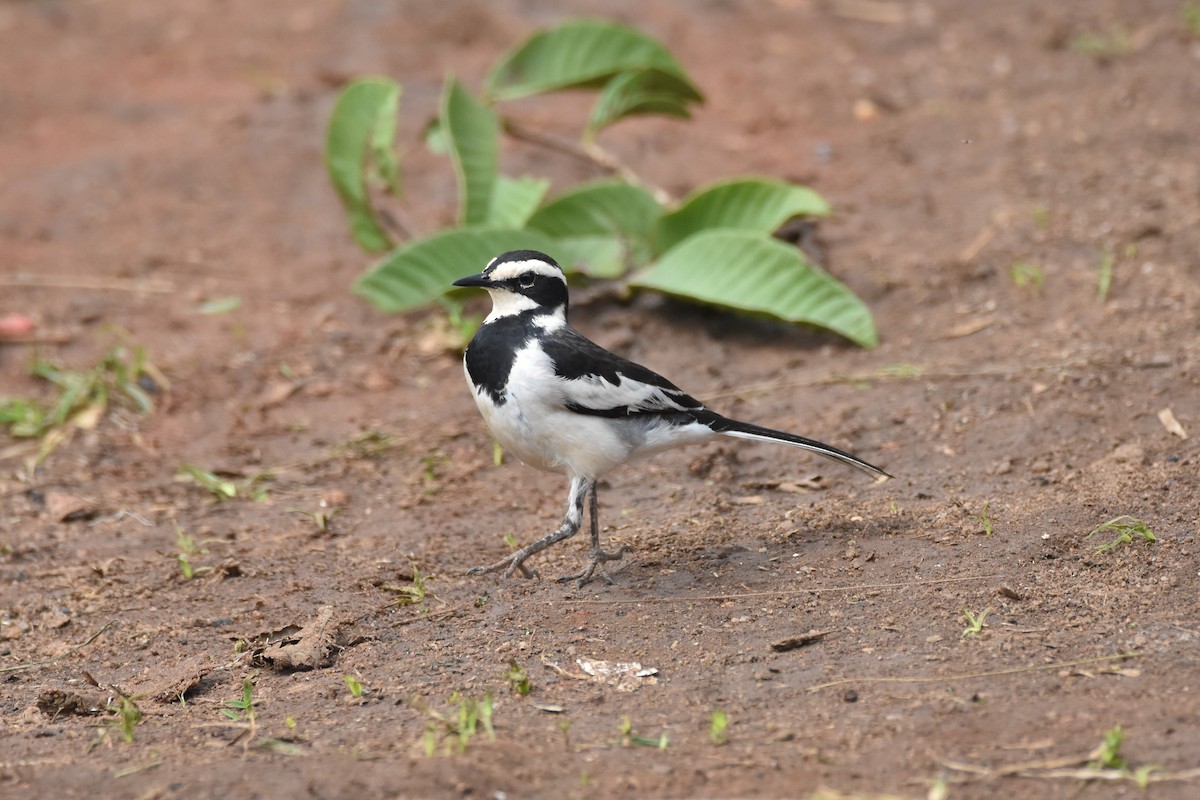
562,403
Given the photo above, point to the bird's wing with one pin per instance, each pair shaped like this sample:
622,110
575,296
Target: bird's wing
596,382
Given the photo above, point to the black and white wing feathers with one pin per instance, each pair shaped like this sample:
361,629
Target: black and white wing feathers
598,383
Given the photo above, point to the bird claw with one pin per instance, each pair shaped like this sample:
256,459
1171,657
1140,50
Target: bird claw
510,564
589,573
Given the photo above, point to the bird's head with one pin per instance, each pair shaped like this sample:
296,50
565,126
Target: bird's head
522,280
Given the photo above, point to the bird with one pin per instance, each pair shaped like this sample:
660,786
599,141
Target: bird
560,402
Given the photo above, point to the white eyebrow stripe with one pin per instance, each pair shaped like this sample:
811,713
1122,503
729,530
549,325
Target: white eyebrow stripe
511,269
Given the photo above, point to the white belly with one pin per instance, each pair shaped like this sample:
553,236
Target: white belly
534,425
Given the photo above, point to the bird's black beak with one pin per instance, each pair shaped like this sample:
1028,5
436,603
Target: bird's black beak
480,280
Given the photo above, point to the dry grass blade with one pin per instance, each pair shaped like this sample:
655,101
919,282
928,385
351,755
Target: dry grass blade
61,656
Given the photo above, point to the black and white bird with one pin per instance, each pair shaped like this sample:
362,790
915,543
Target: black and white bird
560,402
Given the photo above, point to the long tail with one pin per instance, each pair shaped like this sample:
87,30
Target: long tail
745,430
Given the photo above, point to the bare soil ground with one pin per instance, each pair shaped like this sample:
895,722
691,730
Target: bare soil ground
158,155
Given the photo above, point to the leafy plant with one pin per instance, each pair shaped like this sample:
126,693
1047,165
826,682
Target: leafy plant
629,739
188,548
223,488
414,592
242,709
1027,275
1126,528
718,727
715,247
129,716
1191,17
123,375
1104,275
1041,217
455,729
321,517
1108,757
975,622
1104,46
518,678
353,684
1107,754
985,519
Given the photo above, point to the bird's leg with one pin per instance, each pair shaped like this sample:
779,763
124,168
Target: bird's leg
598,555
570,526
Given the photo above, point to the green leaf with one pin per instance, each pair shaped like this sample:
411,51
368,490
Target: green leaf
578,54
594,256
514,200
601,227
363,121
473,133
599,207
435,137
753,204
754,272
424,270
644,91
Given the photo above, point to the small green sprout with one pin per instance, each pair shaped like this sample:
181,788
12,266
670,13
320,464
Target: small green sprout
718,727
224,489
321,517
628,739
1126,528
1041,217
1024,274
518,679
187,549
975,622
220,305
1191,17
1104,275
456,729
124,374
1104,46
353,684
413,593
901,370
1108,754
242,708
129,716
218,487
985,519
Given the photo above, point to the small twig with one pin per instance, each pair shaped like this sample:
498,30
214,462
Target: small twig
1064,768
71,651
970,675
587,152
396,226
449,612
781,592
96,284
981,240
49,337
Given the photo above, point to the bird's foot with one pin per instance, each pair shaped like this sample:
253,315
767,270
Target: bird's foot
509,564
590,572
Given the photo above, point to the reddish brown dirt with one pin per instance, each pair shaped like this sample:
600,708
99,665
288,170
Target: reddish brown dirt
176,146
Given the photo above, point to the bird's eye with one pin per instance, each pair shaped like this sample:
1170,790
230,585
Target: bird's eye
526,281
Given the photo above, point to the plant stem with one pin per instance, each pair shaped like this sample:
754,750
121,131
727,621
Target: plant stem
588,151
